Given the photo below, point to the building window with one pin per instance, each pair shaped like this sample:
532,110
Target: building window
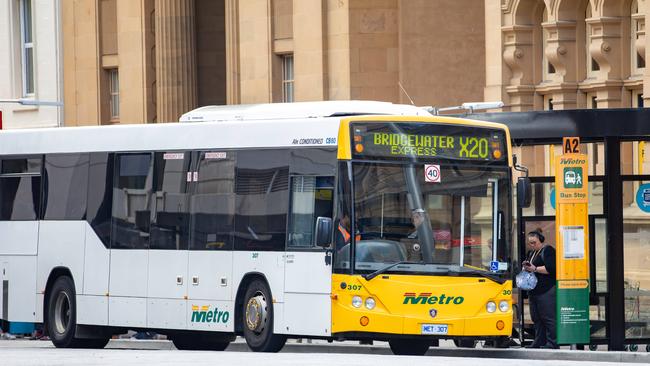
637,99
287,78
27,47
114,85
637,39
592,64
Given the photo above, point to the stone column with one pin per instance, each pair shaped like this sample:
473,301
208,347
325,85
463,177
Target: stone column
232,52
175,59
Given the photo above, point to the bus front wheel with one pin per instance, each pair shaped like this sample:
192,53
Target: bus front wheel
257,318
410,347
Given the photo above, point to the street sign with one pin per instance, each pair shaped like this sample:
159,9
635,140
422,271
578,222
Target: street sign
571,179
572,246
571,145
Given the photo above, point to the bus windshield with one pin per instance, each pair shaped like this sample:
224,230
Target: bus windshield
443,222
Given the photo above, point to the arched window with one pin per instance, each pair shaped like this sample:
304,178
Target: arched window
637,39
592,64
547,68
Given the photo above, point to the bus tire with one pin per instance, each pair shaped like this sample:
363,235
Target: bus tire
257,319
409,347
465,343
62,313
199,343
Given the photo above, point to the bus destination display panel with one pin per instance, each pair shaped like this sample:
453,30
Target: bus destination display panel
408,140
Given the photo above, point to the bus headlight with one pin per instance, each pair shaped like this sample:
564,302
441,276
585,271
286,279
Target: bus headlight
491,307
356,301
503,306
370,303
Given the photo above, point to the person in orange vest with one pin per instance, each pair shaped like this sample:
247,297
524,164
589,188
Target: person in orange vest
343,232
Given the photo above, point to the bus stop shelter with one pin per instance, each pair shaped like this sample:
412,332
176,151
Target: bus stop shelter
615,140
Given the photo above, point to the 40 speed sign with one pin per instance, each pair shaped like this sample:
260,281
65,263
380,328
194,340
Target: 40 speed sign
432,173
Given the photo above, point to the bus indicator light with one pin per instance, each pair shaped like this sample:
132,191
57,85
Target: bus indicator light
500,325
364,321
358,148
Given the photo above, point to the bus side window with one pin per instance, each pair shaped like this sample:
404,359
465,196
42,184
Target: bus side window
131,201
212,204
311,197
170,219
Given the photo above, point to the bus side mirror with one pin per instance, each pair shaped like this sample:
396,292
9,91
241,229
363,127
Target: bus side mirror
323,231
524,192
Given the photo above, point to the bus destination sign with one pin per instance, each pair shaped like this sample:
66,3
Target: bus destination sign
427,140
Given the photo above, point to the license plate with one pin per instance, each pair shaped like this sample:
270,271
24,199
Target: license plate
434,328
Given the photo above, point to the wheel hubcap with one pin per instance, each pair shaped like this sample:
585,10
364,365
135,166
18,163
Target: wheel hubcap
62,312
256,313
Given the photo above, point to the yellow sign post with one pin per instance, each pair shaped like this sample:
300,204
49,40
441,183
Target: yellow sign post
572,241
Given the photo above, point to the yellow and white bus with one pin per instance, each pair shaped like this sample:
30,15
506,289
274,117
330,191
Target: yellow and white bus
329,220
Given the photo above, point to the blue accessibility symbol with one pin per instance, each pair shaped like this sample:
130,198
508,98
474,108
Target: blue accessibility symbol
494,266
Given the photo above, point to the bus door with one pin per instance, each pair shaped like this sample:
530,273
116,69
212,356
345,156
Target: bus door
212,212
308,272
130,233
168,241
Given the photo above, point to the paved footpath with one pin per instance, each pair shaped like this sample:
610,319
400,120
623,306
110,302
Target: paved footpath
132,352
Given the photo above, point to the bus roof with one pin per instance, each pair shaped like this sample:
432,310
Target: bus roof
275,111
268,125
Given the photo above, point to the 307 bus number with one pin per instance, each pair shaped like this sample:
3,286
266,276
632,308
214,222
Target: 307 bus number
473,147
354,287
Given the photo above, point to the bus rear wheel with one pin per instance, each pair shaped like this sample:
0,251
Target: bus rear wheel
62,317
409,347
257,318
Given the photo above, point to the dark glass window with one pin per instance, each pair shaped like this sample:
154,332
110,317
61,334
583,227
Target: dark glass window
262,199
311,197
20,189
19,197
344,213
213,202
65,186
21,166
169,224
132,200
100,195
313,161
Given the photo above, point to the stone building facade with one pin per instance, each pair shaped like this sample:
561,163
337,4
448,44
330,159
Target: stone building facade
138,61
566,54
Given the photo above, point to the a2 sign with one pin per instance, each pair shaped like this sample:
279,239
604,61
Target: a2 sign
571,145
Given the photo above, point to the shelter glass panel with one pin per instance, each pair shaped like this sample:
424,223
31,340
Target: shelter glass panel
636,238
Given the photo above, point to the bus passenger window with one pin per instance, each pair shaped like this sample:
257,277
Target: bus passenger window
20,189
212,204
170,219
262,199
132,201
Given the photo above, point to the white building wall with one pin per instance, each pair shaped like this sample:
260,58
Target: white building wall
48,65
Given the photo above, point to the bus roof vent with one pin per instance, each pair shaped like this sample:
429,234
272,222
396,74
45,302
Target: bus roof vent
274,111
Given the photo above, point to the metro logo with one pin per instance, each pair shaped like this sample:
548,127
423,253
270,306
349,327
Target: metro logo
427,298
204,315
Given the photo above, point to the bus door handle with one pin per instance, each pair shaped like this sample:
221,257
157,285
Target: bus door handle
179,280
195,280
290,258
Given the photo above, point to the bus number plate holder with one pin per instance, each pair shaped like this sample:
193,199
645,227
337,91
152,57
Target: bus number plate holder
435,328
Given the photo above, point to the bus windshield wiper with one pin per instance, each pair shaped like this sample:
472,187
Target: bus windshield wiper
489,275
376,273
